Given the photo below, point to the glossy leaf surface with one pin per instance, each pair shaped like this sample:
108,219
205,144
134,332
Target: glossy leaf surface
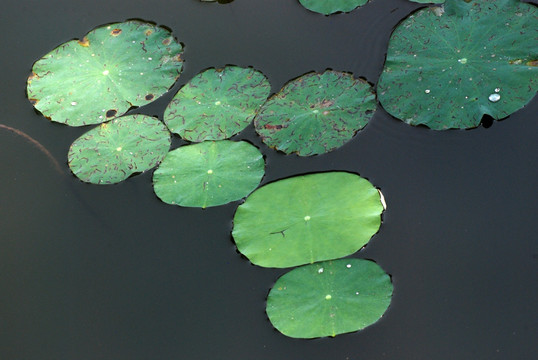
113,151
328,7
99,77
316,113
308,218
217,103
448,66
329,298
208,174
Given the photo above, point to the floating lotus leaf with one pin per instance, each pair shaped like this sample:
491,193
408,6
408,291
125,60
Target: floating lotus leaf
448,66
112,68
208,174
329,298
307,218
316,113
331,6
217,103
113,151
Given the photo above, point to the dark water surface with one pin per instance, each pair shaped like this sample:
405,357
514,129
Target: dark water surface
110,272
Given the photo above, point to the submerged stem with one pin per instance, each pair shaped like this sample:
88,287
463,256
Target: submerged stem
36,144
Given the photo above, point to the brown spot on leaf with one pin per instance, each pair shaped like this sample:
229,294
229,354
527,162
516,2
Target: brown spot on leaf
167,41
33,101
148,32
273,127
115,32
110,113
177,58
149,97
32,76
84,42
326,103
532,63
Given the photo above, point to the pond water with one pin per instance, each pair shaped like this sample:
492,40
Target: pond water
111,272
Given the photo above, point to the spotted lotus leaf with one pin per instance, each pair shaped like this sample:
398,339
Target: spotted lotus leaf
329,298
217,103
115,150
111,69
210,173
328,7
449,65
316,113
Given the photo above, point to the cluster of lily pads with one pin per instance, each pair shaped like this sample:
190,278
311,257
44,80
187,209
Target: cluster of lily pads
311,220
467,58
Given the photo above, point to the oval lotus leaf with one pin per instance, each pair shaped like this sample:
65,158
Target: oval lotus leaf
113,68
316,113
307,218
217,103
329,298
113,151
448,66
332,6
208,174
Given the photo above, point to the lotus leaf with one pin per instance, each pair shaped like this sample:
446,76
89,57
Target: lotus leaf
113,68
329,298
217,103
448,66
316,113
208,174
329,7
113,151
307,218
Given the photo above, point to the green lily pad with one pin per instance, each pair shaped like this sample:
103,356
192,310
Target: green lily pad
316,113
113,151
113,68
448,66
329,298
208,174
307,218
328,7
217,103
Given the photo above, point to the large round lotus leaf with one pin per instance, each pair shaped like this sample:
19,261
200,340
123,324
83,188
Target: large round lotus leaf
217,103
331,6
329,298
307,218
112,68
209,174
316,113
113,151
448,66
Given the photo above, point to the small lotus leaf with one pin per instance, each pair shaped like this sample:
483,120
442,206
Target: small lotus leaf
208,174
329,298
113,68
448,66
307,218
113,151
316,113
328,7
217,103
